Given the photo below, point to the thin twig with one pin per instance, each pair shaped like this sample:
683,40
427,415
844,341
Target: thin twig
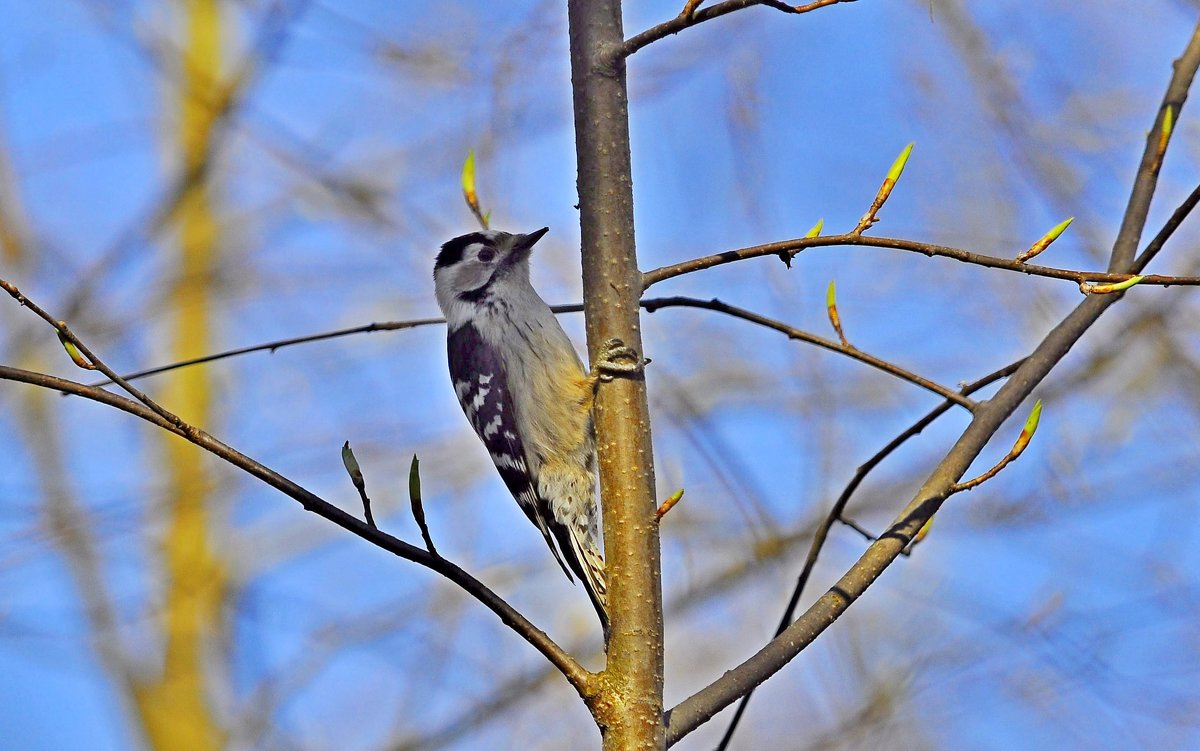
797,245
67,337
1156,244
280,344
862,531
654,304
788,248
1018,448
690,16
649,304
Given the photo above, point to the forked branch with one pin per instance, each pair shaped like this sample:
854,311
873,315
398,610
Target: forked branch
837,514
986,420
144,407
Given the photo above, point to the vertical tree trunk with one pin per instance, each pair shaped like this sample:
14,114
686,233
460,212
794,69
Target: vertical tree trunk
629,705
174,705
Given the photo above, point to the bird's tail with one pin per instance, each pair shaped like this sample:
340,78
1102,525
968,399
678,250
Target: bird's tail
586,549
579,543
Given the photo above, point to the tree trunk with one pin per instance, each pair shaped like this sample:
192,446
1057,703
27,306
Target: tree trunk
628,706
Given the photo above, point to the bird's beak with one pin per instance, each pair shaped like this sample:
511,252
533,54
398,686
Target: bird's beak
523,244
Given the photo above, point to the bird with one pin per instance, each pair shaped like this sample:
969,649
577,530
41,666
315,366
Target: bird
524,390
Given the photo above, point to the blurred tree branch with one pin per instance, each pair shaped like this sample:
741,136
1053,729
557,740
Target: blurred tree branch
173,700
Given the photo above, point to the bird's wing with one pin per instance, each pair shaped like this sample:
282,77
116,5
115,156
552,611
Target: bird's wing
478,373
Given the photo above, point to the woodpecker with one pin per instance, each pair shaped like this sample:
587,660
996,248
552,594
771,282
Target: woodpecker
526,393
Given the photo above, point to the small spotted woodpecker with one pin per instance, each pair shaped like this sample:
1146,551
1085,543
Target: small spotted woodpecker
526,394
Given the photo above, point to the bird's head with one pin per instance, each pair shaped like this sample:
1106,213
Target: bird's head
468,266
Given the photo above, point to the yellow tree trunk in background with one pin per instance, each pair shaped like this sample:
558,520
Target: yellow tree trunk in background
175,705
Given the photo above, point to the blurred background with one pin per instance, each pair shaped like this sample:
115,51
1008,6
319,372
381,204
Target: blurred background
179,178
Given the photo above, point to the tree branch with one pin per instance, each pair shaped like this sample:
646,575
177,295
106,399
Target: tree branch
1146,178
839,507
701,706
280,344
690,16
649,304
1168,229
793,247
851,351
987,419
157,415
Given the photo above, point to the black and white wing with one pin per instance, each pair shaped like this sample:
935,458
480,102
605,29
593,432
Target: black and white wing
480,383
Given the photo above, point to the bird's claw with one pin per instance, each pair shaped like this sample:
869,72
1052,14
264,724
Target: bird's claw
617,358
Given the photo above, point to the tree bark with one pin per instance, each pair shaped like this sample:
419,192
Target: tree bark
628,704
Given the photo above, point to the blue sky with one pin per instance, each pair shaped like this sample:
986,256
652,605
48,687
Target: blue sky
1050,608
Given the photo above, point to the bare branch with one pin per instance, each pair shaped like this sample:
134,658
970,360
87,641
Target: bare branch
726,579
690,16
1156,244
67,337
650,304
1146,179
280,344
667,272
795,246
157,415
654,304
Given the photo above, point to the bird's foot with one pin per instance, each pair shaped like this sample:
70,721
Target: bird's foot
617,358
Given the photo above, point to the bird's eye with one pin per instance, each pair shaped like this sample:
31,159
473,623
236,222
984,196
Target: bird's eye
486,255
